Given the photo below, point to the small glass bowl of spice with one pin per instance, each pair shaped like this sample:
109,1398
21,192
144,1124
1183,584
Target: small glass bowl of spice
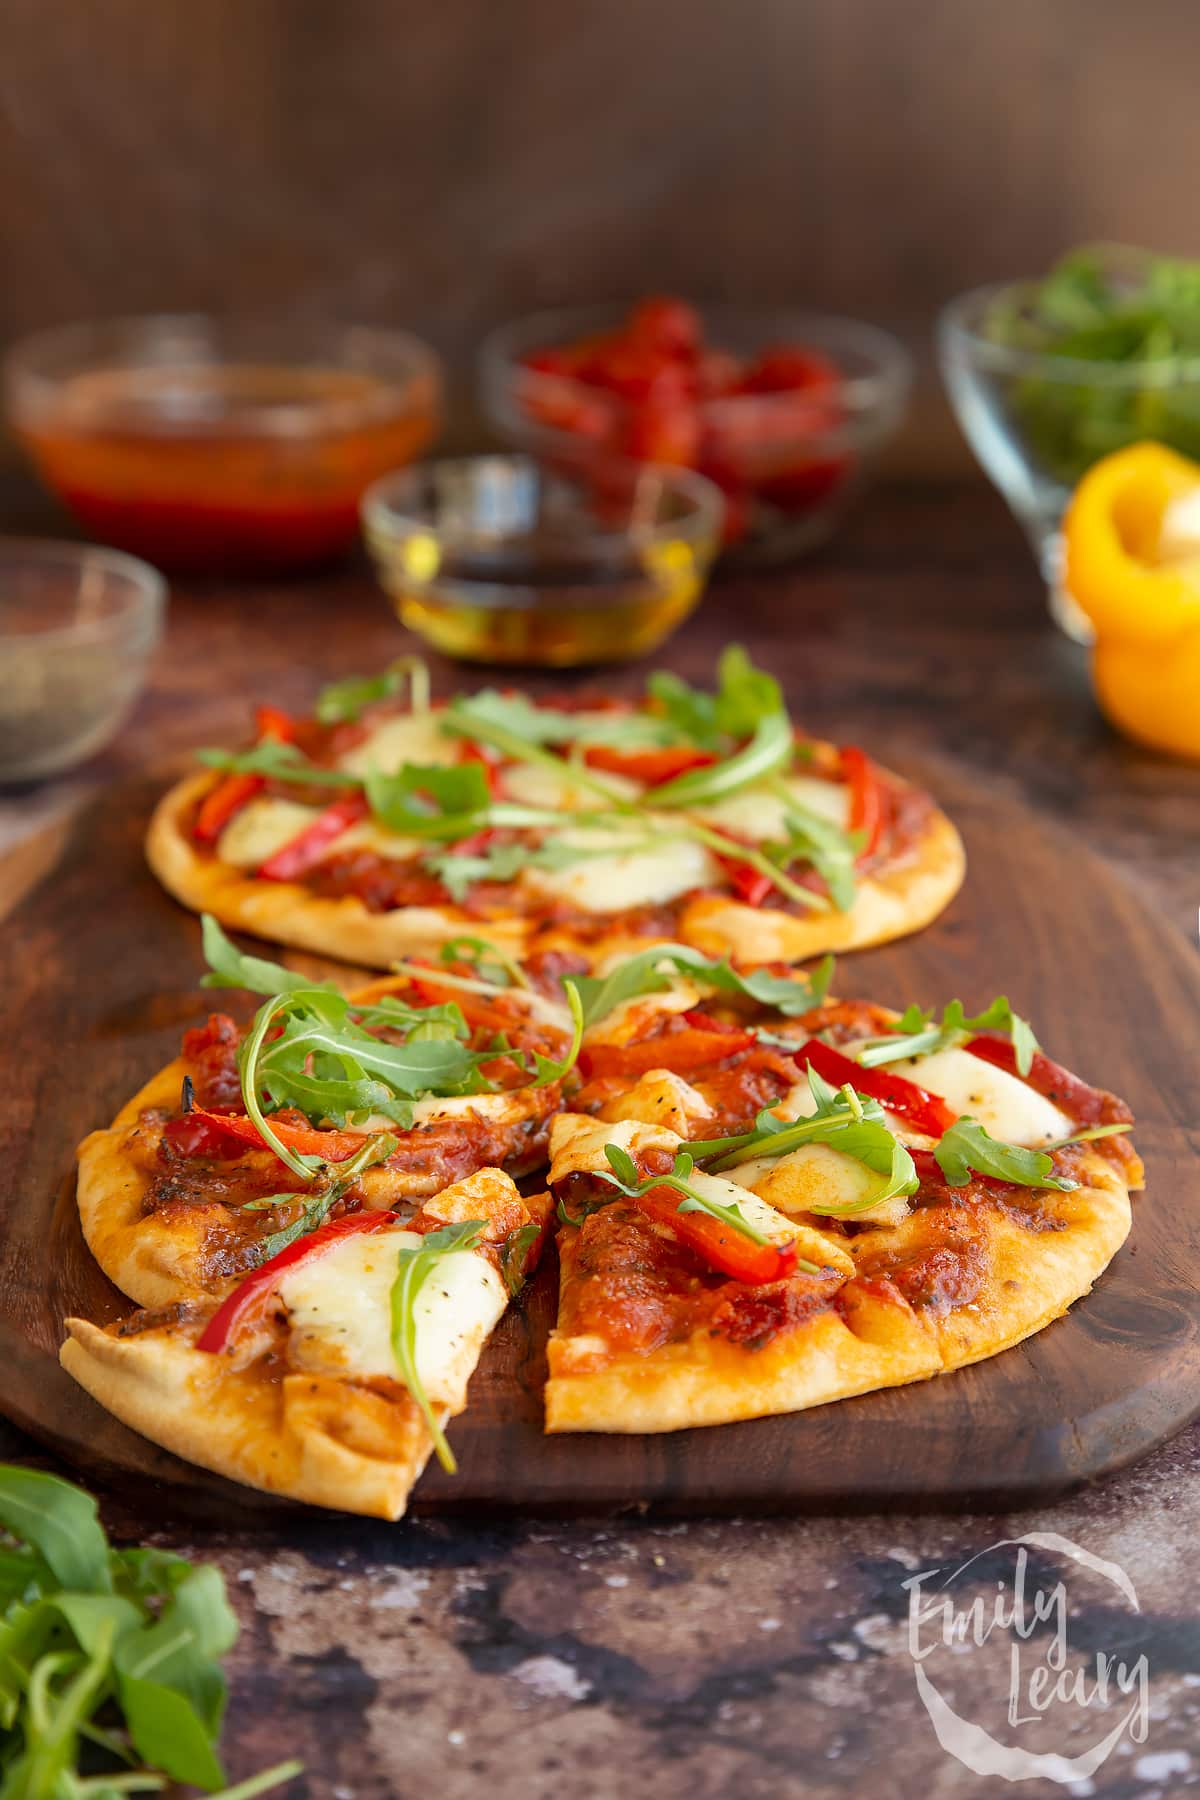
77,629
499,559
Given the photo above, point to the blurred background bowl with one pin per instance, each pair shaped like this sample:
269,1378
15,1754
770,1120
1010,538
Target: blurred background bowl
77,629
212,446
1037,420
788,461
501,559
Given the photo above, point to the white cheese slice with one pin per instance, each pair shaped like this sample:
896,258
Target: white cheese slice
339,1307
262,827
807,1178
577,1143
751,1206
530,784
635,1018
496,1107
1004,1105
408,738
602,883
760,814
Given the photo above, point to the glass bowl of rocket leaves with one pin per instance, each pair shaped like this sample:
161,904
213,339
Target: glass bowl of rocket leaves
1047,376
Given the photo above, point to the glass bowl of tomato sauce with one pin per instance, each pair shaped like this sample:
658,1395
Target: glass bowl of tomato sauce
209,446
784,411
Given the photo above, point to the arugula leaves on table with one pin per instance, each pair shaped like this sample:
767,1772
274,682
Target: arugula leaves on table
917,1034
110,1660
652,971
342,701
416,1263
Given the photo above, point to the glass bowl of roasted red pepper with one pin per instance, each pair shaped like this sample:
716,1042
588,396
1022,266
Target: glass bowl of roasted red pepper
784,412
212,446
503,559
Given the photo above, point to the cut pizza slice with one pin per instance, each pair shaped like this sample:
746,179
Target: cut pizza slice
323,1105
768,1199
329,1373
389,823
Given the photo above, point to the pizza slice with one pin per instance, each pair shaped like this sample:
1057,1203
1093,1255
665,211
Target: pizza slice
328,1374
562,831
322,1106
769,1199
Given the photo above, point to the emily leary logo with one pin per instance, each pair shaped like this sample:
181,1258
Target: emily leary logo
996,1631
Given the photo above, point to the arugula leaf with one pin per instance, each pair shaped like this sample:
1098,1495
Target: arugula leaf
464,717
342,701
745,697
278,761
917,1035
770,748
515,715
651,972
625,1178
545,1072
414,1267
482,954
319,1206
428,798
831,851
87,1633
229,967
512,1257
845,1120
968,1146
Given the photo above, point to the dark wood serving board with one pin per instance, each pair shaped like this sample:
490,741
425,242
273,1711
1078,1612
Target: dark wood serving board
97,970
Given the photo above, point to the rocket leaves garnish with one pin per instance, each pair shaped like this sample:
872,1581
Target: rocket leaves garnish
110,1660
342,701
625,1179
652,971
967,1147
844,1120
514,1254
416,1263
317,1208
916,1034
769,749
312,1048
745,696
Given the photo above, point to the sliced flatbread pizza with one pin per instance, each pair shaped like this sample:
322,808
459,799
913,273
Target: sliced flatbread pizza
320,1105
328,1374
769,1200
562,832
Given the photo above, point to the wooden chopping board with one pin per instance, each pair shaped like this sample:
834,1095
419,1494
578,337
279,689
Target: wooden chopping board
97,969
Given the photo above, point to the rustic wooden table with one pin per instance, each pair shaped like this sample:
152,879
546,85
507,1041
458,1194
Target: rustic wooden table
767,1658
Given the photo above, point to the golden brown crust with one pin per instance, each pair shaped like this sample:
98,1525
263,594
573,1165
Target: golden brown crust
880,1341
308,1437
898,900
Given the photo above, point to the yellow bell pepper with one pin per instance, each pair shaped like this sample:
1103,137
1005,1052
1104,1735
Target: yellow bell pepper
1133,564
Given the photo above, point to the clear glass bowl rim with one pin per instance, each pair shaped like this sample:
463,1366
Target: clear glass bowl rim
144,590
36,367
873,401
383,513
956,336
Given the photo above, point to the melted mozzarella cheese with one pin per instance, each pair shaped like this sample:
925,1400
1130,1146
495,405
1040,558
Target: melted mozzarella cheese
409,738
1004,1105
635,1018
807,1178
752,1208
603,883
577,1143
494,1107
339,1307
529,784
760,814
262,827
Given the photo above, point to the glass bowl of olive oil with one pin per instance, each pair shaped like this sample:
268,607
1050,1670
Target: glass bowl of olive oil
501,559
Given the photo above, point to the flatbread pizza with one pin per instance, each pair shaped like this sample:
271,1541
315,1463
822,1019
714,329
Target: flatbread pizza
329,1373
565,832
770,1201
321,1105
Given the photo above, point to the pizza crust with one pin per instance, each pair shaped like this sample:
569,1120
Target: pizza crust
899,900
309,1437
